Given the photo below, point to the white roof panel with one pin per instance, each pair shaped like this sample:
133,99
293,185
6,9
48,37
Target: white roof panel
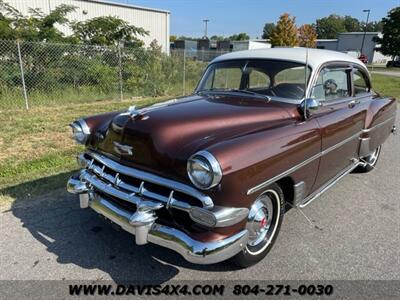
316,57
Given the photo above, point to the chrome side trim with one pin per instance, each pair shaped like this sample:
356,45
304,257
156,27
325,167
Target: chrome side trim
192,250
340,144
299,192
302,164
366,130
145,176
364,147
283,174
329,184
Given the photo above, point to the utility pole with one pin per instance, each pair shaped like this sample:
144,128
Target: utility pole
365,29
205,27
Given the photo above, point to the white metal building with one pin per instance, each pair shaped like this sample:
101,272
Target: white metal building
351,42
156,21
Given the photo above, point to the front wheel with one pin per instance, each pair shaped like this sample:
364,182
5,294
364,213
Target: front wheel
369,162
263,224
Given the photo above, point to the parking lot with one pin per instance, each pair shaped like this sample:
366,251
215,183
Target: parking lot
355,234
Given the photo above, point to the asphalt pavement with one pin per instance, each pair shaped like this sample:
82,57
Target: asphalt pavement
355,234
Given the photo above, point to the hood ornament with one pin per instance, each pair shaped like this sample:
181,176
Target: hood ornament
135,114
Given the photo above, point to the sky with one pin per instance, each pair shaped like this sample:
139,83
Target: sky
233,16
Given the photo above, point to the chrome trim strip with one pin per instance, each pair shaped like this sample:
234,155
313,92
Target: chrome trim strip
328,185
364,147
299,192
176,186
340,144
366,130
283,174
192,250
300,165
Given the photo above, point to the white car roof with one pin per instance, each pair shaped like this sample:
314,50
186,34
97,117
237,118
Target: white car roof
316,57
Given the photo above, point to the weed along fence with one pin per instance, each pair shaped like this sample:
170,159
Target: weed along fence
47,74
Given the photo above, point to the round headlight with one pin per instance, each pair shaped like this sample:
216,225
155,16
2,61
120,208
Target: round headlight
204,170
80,131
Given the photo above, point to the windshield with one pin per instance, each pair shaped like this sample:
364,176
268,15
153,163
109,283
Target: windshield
265,77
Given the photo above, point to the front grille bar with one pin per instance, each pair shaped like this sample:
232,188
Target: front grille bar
89,163
108,189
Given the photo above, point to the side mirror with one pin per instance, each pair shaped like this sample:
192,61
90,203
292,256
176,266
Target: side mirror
308,106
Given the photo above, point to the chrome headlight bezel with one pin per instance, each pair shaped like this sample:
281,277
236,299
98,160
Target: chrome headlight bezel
210,166
80,131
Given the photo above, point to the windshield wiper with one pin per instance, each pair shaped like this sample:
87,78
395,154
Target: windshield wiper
247,92
250,93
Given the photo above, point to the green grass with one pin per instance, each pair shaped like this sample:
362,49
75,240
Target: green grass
382,68
37,153
386,85
36,147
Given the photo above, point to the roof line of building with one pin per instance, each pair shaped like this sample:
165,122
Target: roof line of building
127,5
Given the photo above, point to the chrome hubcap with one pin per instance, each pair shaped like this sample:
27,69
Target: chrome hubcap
262,221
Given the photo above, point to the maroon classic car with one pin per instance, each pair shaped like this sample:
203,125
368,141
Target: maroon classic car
212,174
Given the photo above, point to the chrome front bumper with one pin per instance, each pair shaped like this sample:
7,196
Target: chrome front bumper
142,224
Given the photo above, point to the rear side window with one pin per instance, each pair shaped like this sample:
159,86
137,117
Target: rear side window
360,83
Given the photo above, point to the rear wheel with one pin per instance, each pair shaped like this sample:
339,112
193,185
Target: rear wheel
263,224
369,161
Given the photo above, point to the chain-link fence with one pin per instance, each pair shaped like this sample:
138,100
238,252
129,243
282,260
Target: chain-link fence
44,74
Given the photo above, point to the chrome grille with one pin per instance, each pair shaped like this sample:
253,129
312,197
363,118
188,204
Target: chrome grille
135,186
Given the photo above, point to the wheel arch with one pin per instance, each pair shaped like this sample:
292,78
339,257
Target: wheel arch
287,186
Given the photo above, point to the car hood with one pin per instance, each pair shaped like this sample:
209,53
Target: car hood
162,137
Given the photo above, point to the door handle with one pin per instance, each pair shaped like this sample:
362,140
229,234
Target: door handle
353,103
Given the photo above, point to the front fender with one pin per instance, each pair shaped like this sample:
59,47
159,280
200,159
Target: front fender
250,160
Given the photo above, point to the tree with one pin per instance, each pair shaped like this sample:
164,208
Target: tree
390,42
218,38
329,27
36,26
373,26
268,28
172,38
307,36
285,32
108,31
239,37
351,24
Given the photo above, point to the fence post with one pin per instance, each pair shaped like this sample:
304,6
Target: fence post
22,75
184,72
121,95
